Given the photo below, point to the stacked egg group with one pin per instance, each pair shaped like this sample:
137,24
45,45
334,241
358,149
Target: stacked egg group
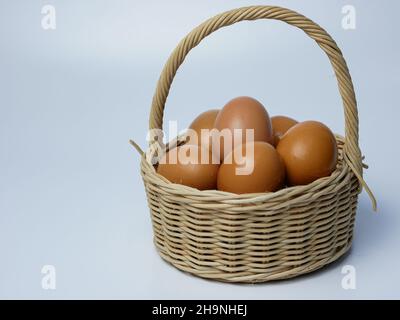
240,149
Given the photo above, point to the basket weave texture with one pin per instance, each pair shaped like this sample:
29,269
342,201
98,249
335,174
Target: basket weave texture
265,236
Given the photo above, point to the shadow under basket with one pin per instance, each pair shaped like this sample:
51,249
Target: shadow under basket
265,236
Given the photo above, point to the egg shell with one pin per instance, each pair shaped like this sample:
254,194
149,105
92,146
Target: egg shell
187,165
242,113
203,121
281,124
309,151
268,172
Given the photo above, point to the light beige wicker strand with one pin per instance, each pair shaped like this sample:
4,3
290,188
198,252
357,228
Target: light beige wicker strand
256,237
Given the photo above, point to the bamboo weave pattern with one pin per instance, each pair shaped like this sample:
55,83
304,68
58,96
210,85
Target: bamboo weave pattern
256,237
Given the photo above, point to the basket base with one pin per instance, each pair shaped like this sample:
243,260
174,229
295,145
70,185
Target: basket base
261,277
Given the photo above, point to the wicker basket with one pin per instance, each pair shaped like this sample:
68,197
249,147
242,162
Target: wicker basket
264,236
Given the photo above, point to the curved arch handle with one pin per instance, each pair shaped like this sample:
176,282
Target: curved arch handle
352,151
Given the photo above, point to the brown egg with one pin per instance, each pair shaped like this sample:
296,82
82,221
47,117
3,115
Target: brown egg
190,165
241,113
204,121
251,168
309,151
281,124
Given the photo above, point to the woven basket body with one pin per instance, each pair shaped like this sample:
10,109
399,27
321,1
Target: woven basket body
256,237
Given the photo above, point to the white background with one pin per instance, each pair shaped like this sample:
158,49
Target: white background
70,190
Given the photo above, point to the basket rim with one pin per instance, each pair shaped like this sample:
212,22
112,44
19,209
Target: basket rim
342,169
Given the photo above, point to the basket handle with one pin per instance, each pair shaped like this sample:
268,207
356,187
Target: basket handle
352,151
